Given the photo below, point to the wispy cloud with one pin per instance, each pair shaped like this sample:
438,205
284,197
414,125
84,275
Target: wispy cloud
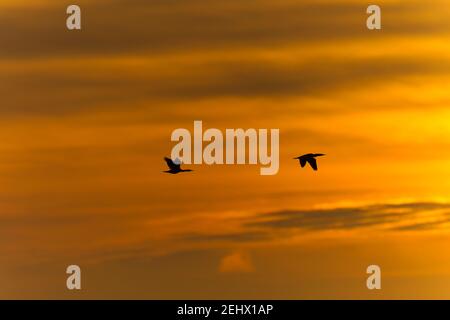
388,217
378,215
188,51
167,26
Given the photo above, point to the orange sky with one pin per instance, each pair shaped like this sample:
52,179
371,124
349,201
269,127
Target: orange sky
86,118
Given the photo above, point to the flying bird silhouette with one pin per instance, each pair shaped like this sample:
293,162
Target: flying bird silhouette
174,167
309,158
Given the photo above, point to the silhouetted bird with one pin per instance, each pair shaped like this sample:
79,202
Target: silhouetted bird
310,158
174,167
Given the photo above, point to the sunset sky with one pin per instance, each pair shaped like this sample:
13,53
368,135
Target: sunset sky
86,119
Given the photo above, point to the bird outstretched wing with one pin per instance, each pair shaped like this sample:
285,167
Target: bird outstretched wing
313,163
171,164
302,162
